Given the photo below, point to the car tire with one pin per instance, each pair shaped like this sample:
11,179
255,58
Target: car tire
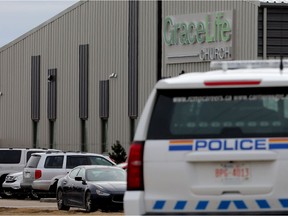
60,201
6,194
90,205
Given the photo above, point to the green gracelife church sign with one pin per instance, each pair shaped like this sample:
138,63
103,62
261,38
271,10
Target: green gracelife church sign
198,37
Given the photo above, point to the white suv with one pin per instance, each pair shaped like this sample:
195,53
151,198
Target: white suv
213,143
43,170
13,160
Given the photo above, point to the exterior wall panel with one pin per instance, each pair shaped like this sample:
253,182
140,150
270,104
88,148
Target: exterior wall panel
147,50
108,54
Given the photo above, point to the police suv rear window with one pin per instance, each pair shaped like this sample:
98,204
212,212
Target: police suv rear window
221,113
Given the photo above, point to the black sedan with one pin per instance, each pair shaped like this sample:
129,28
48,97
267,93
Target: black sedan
92,187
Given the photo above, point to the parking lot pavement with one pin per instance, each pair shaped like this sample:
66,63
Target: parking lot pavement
42,207
12,203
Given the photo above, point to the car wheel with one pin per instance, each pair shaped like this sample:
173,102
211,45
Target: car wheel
89,204
60,201
6,194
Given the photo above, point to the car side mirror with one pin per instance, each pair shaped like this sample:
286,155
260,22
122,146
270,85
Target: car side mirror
78,178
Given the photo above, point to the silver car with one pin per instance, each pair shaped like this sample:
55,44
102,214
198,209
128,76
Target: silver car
11,185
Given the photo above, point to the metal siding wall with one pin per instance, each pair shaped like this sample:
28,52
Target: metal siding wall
65,52
108,39
244,29
39,43
147,50
15,118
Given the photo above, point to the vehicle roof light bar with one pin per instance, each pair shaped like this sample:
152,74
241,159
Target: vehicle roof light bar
248,64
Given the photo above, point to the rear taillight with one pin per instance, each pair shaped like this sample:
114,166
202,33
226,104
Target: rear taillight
135,167
38,174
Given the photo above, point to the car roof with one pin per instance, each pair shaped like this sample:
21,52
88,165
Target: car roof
267,77
97,166
67,153
263,73
28,149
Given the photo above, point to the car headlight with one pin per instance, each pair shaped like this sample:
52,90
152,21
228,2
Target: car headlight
101,193
10,178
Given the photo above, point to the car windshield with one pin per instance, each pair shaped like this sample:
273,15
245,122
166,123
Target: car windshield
104,174
221,113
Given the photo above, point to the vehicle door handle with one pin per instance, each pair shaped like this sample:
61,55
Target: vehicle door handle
65,182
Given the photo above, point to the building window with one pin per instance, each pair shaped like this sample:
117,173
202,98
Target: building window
273,30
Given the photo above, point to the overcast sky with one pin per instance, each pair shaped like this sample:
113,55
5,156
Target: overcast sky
19,16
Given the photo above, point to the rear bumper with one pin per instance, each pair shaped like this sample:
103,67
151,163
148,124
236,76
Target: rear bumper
41,185
134,203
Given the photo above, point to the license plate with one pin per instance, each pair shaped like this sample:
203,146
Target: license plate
27,175
233,172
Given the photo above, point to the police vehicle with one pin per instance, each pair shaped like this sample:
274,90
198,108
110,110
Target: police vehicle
213,143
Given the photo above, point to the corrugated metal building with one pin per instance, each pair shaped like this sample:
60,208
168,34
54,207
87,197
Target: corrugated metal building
80,80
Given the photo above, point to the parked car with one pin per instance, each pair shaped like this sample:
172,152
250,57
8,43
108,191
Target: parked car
13,160
43,170
11,187
92,188
123,165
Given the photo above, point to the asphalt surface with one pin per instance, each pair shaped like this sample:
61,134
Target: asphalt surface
43,203
43,207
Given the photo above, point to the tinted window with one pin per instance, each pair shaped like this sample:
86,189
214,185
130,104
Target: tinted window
10,156
220,113
73,161
54,162
33,161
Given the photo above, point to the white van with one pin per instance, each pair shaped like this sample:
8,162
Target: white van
213,143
